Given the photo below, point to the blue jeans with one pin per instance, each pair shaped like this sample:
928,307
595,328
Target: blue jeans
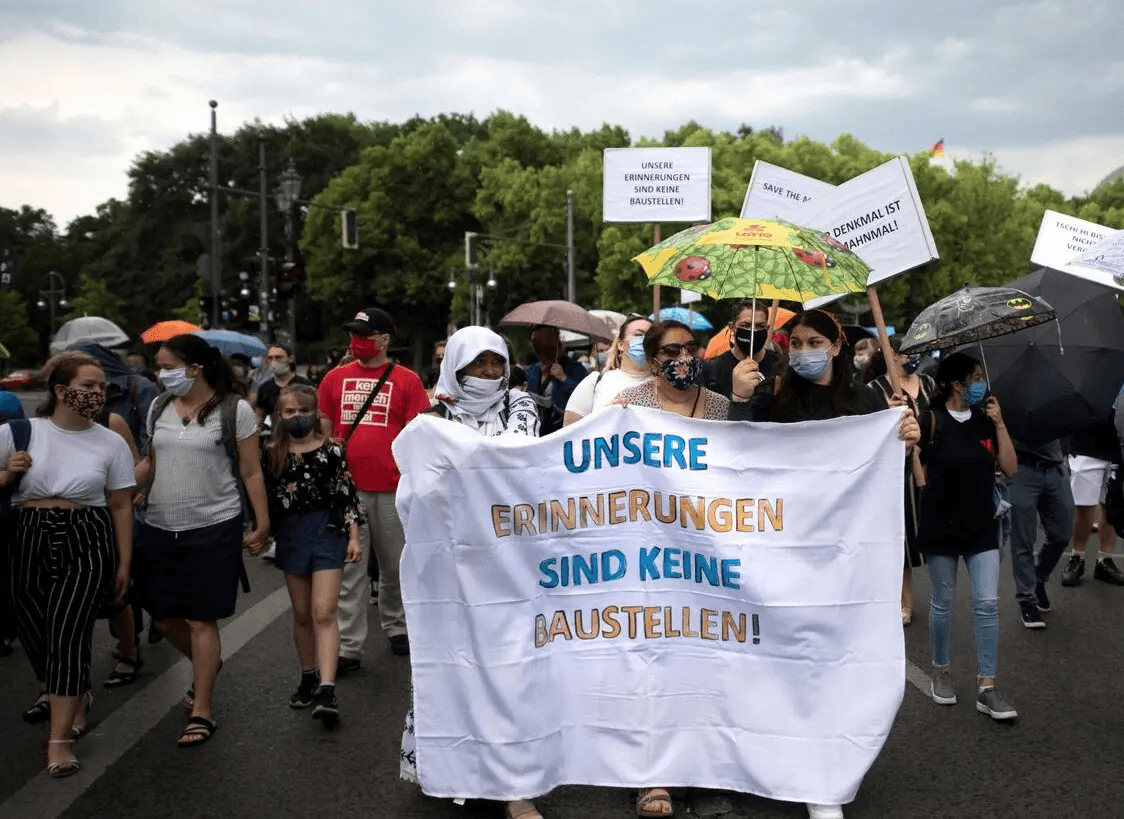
983,570
1035,493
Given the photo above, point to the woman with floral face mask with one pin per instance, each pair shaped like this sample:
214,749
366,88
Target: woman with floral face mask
676,368
314,513
627,367
73,540
472,390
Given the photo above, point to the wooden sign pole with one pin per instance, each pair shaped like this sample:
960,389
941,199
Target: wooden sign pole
892,370
655,288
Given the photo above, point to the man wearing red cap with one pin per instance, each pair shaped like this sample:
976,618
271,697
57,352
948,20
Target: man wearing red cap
344,393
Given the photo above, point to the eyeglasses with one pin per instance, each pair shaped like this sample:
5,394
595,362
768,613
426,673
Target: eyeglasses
674,351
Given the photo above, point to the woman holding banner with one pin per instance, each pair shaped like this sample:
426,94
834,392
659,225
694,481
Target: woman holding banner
472,390
676,368
673,356
965,439
817,386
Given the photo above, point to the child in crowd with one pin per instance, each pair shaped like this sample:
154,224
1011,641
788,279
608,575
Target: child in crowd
314,515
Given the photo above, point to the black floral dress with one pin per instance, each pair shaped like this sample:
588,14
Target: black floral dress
312,505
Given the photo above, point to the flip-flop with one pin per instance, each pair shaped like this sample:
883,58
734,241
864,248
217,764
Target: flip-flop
647,800
197,731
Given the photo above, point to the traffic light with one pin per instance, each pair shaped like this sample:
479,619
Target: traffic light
350,229
7,268
291,280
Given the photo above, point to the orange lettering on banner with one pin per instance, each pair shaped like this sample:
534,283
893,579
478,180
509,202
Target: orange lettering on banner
638,501
594,624
609,617
559,627
720,519
687,631
632,612
708,624
651,622
696,514
745,515
567,518
775,515
668,629
524,519
736,627
616,508
501,520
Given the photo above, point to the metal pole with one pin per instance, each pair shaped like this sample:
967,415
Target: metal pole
292,322
571,287
263,252
216,241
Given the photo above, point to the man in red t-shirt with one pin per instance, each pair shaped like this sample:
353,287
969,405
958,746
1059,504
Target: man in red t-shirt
343,393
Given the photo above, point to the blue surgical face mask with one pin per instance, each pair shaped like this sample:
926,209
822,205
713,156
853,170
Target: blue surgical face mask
974,393
635,351
809,364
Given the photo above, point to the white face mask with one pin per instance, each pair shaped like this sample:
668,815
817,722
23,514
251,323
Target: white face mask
176,381
481,387
279,367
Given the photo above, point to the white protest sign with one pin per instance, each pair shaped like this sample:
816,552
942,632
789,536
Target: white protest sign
777,193
644,598
656,185
877,215
1103,262
689,296
1062,239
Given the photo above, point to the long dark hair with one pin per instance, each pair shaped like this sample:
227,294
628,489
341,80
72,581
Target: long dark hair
279,445
59,372
191,349
795,394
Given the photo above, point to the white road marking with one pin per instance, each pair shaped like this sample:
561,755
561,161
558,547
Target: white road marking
46,798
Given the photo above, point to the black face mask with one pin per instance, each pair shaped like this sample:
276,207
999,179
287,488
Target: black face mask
742,337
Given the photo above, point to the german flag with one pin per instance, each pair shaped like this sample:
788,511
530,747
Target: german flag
938,148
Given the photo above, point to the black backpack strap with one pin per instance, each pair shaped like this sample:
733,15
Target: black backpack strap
159,404
367,404
21,440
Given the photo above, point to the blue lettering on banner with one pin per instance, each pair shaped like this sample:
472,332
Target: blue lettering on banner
574,571
653,449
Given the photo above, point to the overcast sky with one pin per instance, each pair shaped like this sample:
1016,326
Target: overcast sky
87,84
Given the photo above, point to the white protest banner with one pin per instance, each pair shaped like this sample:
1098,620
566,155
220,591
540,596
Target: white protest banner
1103,262
777,193
1061,237
644,599
656,185
877,215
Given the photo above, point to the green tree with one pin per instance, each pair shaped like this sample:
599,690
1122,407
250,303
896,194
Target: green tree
95,299
16,333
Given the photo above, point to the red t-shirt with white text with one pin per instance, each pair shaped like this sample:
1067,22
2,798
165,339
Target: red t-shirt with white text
343,391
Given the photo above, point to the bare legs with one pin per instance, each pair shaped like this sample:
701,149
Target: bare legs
198,640
316,627
65,711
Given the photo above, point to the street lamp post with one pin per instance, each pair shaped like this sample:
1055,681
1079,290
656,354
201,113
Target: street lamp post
286,195
54,296
474,277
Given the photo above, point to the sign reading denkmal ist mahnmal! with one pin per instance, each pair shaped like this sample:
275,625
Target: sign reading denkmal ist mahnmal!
656,185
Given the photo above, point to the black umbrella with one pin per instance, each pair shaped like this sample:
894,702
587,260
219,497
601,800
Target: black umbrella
1050,388
973,314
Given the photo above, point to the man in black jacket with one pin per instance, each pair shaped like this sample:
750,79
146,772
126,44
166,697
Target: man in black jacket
749,334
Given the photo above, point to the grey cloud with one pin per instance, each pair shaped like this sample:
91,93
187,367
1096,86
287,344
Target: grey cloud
25,131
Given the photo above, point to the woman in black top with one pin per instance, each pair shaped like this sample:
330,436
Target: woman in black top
816,386
964,440
919,390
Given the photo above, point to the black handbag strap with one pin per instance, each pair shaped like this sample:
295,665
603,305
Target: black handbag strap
370,400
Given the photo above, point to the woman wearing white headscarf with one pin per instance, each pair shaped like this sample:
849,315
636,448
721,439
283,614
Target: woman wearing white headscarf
472,390
472,387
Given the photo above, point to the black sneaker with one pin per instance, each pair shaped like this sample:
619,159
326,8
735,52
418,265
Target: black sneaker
346,665
302,697
400,644
1106,570
326,708
1041,598
1031,617
1074,570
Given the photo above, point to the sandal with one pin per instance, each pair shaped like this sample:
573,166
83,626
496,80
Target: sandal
40,711
189,697
197,731
79,728
654,803
68,767
521,809
125,673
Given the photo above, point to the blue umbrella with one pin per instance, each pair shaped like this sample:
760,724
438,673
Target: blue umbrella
229,342
696,321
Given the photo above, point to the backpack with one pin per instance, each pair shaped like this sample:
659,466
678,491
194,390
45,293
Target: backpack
21,439
228,409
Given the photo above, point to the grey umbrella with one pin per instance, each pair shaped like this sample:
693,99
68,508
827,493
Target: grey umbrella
93,329
973,314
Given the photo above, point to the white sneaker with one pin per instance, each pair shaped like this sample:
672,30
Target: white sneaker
271,552
825,811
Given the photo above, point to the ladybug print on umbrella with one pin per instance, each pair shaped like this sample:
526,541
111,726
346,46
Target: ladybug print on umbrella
692,269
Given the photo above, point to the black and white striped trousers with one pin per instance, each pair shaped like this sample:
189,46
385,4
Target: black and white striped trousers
62,564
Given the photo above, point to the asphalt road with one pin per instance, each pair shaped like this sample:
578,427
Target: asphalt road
1059,759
